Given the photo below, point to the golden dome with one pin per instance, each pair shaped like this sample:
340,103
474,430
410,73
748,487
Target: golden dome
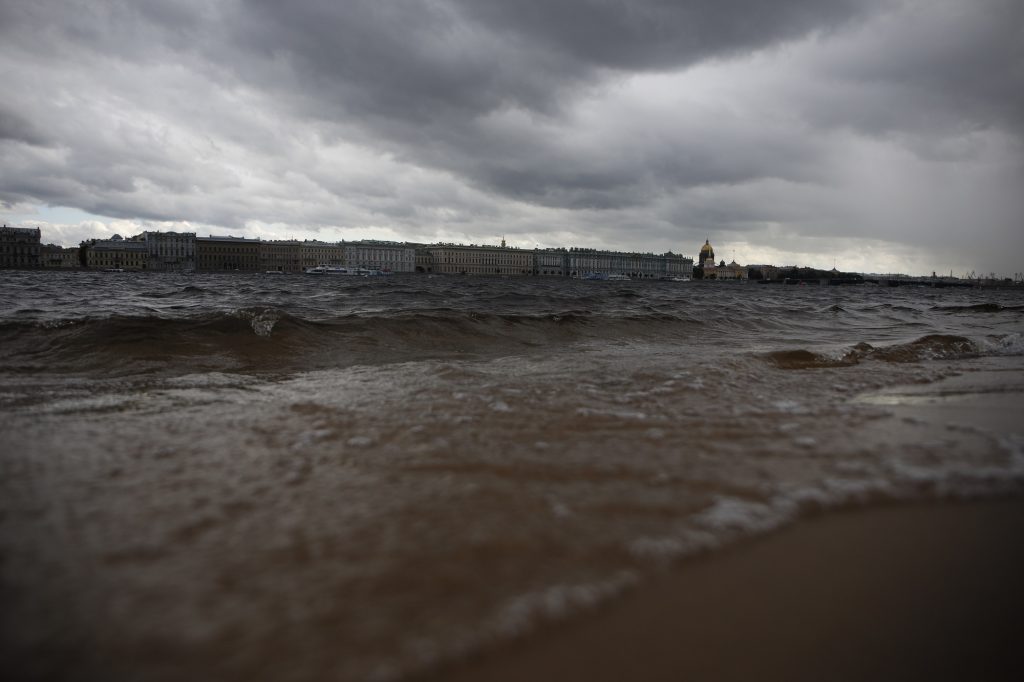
706,252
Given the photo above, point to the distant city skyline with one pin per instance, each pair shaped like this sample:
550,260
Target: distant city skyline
97,227
874,135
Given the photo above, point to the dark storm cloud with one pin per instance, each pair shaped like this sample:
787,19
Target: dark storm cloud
417,79
943,67
415,60
655,34
424,77
14,126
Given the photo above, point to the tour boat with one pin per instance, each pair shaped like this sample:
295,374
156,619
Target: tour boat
330,270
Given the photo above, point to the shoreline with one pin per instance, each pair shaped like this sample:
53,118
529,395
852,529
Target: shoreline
901,591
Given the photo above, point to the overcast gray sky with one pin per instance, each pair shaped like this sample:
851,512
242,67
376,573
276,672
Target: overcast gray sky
882,135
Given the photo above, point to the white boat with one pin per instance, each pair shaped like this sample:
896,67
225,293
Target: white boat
607,277
330,270
342,270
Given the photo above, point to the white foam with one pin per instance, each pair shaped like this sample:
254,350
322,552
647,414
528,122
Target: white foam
99,403
559,509
686,542
211,380
522,613
1013,444
789,407
1007,344
730,514
618,414
262,322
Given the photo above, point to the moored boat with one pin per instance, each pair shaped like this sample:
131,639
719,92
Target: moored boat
330,270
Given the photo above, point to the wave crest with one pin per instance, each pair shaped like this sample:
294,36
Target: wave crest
929,347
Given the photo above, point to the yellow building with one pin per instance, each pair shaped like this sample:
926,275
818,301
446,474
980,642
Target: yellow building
117,253
732,271
313,253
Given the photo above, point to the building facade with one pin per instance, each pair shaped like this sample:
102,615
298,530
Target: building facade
171,251
227,254
760,271
457,259
71,257
550,262
582,263
730,271
19,247
379,255
51,256
117,253
424,259
279,255
313,253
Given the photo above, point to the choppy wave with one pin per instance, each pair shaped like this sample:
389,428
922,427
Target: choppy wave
258,335
929,347
253,323
464,459
272,335
979,308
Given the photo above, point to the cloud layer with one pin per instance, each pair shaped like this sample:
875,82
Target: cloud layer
800,127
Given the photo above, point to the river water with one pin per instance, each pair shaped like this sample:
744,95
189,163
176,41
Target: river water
335,478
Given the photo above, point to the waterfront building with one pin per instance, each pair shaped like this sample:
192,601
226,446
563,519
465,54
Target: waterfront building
171,251
226,254
424,259
549,262
280,255
313,253
676,266
380,255
71,257
732,271
458,259
50,256
19,247
585,262
763,271
117,253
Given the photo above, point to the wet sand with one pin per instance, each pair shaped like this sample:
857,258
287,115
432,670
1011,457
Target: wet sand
902,592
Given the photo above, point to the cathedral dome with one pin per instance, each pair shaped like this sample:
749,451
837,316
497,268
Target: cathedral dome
706,251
